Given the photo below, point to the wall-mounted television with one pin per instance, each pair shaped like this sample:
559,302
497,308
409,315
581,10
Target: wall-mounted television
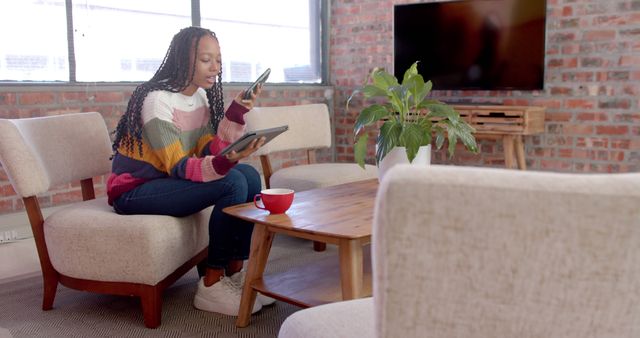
473,44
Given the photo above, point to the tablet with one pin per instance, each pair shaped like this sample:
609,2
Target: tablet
244,141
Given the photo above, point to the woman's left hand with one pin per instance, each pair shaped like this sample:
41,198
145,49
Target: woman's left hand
248,150
248,103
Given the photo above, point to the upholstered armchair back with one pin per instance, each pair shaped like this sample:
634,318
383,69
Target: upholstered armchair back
50,156
309,126
479,252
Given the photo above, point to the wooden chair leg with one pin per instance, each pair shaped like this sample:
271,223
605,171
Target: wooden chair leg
319,246
151,300
50,284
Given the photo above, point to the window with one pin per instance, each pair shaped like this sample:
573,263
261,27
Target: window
256,35
124,40
34,49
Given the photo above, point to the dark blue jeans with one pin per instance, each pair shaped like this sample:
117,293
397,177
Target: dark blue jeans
229,237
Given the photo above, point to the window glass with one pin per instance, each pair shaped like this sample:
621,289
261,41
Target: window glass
255,35
124,40
34,41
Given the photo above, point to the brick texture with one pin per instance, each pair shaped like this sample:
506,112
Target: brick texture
591,84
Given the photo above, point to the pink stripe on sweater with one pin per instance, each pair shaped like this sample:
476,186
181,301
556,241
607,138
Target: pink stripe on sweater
193,169
191,120
211,170
230,131
204,169
230,128
216,145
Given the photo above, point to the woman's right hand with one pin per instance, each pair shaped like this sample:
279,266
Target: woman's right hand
247,151
250,102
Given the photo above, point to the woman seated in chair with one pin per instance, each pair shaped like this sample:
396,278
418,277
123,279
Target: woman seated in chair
166,161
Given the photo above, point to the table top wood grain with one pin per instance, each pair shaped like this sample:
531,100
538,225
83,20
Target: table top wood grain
342,211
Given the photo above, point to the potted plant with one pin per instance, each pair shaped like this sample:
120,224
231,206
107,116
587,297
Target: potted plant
409,117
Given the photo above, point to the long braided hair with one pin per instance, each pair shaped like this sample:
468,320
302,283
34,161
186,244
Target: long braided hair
173,75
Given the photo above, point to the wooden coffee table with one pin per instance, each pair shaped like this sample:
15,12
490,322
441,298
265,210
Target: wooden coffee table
340,215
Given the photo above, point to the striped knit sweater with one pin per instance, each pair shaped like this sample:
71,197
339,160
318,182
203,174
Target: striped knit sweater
177,141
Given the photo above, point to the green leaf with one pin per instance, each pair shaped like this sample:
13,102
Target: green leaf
360,149
439,140
422,93
410,72
463,131
390,108
382,79
442,110
470,144
370,91
388,138
453,139
426,102
368,116
396,96
439,136
416,87
425,126
411,138
428,86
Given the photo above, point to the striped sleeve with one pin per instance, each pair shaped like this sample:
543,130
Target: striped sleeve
230,128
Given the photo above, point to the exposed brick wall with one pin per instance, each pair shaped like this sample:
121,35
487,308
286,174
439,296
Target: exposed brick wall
111,101
592,83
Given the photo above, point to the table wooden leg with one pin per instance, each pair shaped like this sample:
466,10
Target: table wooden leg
522,164
351,268
261,241
507,144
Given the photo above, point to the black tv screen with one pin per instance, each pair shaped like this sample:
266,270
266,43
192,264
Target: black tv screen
473,44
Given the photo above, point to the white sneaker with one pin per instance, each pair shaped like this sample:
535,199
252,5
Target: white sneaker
239,277
221,297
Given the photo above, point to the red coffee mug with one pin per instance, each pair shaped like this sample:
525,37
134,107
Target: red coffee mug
277,201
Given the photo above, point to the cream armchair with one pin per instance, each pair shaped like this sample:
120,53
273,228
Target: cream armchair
478,252
309,130
86,245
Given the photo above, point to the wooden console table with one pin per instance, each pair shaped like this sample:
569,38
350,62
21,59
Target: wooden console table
508,123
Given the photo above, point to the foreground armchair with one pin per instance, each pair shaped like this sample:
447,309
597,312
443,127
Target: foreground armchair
478,252
86,245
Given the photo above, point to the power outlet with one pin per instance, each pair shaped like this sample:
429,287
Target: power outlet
8,236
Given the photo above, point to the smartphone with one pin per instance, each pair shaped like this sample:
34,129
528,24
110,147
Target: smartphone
254,86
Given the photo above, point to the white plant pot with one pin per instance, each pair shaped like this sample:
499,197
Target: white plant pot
398,155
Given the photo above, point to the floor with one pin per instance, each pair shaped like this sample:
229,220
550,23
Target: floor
18,257
18,260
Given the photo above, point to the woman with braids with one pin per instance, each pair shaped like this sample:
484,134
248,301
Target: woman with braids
166,161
